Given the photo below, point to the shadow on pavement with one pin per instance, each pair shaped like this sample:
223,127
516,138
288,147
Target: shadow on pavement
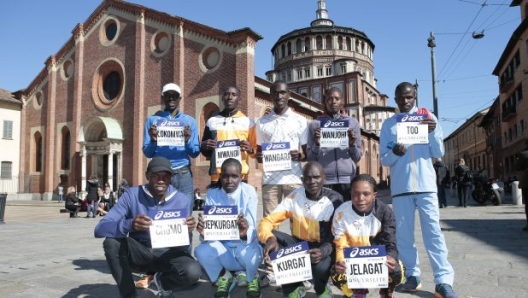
419,293
500,233
94,291
86,264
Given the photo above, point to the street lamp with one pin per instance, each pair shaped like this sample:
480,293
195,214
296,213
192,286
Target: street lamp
431,43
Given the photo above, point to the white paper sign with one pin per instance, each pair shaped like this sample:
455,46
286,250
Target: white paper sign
366,267
169,228
225,150
334,133
221,222
292,264
170,133
410,131
276,157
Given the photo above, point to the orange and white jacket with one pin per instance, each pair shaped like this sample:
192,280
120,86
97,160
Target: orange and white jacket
310,220
376,227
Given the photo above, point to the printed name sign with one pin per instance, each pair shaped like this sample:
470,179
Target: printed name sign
292,264
170,133
221,222
366,267
276,156
168,228
227,149
410,131
334,133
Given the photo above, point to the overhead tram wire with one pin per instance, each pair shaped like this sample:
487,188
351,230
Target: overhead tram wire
476,35
492,14
485,3
449,70
458,44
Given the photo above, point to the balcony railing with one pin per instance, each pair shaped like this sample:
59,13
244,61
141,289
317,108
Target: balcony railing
508,112
506,84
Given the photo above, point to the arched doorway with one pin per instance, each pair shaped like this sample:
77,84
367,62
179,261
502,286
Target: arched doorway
101,140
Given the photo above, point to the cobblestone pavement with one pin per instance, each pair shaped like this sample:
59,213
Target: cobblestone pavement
46,254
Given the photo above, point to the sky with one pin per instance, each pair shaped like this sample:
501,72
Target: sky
33,30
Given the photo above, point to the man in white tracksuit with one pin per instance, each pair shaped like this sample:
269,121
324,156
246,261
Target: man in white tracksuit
413,186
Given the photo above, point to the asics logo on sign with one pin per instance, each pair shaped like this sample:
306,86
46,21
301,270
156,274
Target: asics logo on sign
334,124
413,118
167,214
215,210
364,252
227,143
169,123
354,252
289,250
275,146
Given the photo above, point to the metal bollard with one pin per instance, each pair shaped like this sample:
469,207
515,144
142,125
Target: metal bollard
516,193
3,200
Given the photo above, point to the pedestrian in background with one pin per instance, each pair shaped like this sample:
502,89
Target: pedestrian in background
72,202
522,165
464,177
92,196
442,181
60,193
122,188
413,187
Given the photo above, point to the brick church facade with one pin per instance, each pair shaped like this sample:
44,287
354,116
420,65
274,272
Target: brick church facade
84,113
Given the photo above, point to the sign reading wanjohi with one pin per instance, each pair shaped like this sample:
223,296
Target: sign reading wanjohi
168,228
334,133
170,132
410,131
366,267
292,264
221,222
276,156
227,149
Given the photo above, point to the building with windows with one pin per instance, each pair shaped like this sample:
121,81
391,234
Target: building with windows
491,123
325,55
468,142
512,73
10,108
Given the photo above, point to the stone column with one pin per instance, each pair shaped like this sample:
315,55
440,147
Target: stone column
83,171
111,168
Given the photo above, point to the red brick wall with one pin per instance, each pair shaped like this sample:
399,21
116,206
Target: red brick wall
144,76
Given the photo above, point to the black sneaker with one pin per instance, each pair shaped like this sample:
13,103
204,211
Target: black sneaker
412,284
445,291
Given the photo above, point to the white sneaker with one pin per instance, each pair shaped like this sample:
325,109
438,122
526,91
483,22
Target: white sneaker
241,279
268,280
307,285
